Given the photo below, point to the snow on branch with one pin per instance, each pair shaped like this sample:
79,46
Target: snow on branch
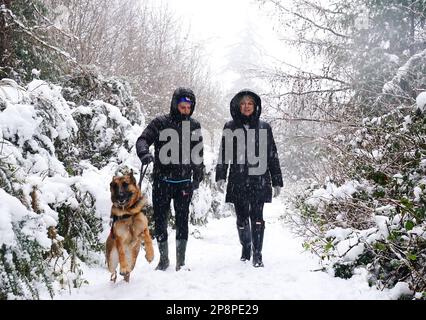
29,31
401,85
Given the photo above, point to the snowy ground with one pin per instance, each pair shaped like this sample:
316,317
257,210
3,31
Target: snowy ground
216,272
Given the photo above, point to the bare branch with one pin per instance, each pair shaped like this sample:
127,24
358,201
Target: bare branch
278,4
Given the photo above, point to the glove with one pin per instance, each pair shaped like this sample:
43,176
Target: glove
147,158
277,191
221,185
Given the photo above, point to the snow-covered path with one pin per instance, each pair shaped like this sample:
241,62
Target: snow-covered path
217,273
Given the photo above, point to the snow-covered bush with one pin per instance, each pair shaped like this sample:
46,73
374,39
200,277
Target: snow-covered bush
55,199
82,88
372,212
23,246
103,131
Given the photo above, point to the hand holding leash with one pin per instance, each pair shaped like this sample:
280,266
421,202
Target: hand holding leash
147,159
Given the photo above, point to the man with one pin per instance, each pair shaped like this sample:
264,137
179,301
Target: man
178,169
253,166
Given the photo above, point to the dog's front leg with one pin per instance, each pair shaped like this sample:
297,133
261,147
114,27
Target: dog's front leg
124,268
149,250
112,257
136,246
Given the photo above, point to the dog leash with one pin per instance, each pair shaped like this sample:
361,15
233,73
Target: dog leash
142,175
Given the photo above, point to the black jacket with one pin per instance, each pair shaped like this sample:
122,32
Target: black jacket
173,120
239,179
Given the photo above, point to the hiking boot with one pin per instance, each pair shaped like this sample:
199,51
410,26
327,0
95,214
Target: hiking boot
257,238
245,240
180,253
164,256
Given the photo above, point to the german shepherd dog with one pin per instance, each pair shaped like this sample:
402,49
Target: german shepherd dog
129,227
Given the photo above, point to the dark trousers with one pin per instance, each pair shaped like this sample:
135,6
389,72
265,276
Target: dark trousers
162,194
249,208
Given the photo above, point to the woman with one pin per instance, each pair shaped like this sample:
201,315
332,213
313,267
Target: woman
249,183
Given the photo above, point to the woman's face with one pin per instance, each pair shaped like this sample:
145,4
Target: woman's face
247,106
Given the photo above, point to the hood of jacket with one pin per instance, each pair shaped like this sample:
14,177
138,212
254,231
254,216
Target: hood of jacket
235,107
177,94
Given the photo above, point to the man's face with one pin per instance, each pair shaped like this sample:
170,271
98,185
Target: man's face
184,108
247,106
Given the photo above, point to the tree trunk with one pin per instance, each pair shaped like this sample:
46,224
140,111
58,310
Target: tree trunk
5,40
412,28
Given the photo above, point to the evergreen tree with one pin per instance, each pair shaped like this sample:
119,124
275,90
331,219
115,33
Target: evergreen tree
24,42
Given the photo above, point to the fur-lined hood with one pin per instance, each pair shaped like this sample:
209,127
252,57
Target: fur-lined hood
235,106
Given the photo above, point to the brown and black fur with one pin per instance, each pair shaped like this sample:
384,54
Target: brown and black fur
129,227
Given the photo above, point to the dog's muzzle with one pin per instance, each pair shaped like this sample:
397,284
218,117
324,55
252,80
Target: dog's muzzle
122,199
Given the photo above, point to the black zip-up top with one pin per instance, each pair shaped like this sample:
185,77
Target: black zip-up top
173,120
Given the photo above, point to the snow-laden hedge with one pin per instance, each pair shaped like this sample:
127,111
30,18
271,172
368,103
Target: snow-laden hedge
372,211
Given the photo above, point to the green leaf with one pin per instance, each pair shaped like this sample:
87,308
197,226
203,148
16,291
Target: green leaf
380,178
395,235
411,256
328,246
407,203
409,225
380,246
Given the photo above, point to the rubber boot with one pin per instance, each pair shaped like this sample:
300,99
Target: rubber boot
245,240
258,229
164,256
180,253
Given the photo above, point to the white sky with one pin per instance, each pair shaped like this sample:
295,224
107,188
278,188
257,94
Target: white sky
218,24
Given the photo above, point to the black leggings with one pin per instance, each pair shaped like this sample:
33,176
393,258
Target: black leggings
162,193
246,209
